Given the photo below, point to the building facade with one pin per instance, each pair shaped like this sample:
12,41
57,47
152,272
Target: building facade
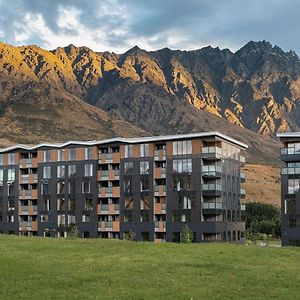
290,184
151,186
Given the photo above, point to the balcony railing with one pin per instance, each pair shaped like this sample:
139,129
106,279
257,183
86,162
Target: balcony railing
289,151
212,187
160,154
104,207
211,152
211,171
290,171
212,205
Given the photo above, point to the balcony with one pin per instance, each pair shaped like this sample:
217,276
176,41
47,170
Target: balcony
211,171
160,190
243,177
160,155
213,205
23,210
102,175
212,189
28,225
26,163
211,153
290,154
290,171
28,194
159,208
160,226
28,178
106,158
159,173
105,225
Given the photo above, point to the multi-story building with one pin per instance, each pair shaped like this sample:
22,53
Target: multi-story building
290,184
151,186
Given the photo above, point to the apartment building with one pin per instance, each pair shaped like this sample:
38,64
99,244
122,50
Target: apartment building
151,186
290,184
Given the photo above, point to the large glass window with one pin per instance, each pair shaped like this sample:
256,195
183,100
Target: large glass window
61,203
182,147
88,170
60,155
128,168
1,159
144,167
1,177
182,166
60,187
88,153
86,187
128,151
293,186
47,172
47,155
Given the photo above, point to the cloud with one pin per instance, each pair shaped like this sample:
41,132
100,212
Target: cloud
117,25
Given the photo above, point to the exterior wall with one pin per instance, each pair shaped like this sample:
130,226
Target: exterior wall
152,189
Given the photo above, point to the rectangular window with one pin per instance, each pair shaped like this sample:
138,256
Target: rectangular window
60,203
72,170
293,186
182,166
72,186
60,171
128,168
88,170
72,154
86,218
88,153
144,148
88,204
44,188
47,172
11,158
1,177
60,187
47,155
128,151
11,174
182,147
1,159
86,187
72,204
60,155
144,167
61,220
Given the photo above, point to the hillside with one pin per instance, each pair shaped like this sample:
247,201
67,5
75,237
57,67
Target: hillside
35,268
160,92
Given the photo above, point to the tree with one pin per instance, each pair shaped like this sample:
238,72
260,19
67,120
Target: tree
262,218
187,234
129,236
74,232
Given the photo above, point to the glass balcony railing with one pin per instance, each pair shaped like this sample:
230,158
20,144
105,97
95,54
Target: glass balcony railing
290,171
211,171
158,188
212,187
104,207
212,205
289,151
108,224
212,152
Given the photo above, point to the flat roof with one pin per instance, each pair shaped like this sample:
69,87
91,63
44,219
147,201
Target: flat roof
295,134
215,134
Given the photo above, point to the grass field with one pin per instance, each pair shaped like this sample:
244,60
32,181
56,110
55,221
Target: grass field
42,268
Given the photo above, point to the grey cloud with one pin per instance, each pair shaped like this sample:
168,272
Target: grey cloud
218,22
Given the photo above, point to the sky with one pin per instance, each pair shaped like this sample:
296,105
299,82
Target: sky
118,25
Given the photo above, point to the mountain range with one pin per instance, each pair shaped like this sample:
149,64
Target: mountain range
74,92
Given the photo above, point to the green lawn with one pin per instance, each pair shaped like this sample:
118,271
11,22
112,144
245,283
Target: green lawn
42,268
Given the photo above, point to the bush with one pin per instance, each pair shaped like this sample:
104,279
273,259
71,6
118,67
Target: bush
262,218
187,234
129,236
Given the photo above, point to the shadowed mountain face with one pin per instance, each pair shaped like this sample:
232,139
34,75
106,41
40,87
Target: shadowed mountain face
165,91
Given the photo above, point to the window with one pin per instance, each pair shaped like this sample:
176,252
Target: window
144,167
11,158
88,153
145,202
88,204
86,187
182,166
293,186
72,204
1,159
128,203
61,220
72,186
47,155
128,151
88,170
60,171
44,218
60,187
44,188
60,203
72,170
144,150
184,202
1,177
72,154
182,147
11,174
128,168
60,155
71,220
290,206
46,172
86,218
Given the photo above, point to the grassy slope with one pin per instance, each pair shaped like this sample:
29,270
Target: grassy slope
37,268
